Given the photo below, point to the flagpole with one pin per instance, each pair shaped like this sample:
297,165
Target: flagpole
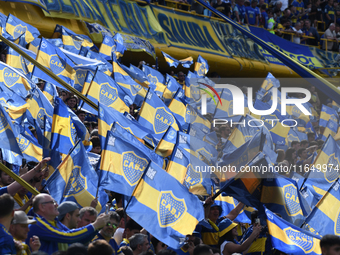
18,179
49,72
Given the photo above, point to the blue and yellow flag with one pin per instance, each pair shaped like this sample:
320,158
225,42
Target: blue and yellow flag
242,133
137,74
7,133
330,129
72,41
228,204
326,168
106,118
136,92
15,60
50,92
166,145
122,164
326,114
201,66
84,63
291,239
176,211
155,116
119,48
76,181
14,80
107,47
54,59
190,171
30,148
3,19
155,78
170,60
200,149
106,67
15,106
172,86
267,84
324,218
186,62
39,106
105,90
64,133
295,135
277,130
179,110
17,28
282,196
192,116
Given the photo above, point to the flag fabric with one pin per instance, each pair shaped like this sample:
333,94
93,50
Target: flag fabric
137,75
155,78
277,130
330,130
50,91
326,114
7,133
166,145
76,181
170,60
325,168
267,84
190,171
107,47
16,28
131,88
107,116
224,110
194,117
291,239
122,164
179,110
64,134
176,211
156,116
54,59
15,60
15,106
105,90
30,148
14,81
186,62
324,218
172,86
119,48
201,66
106,67
228,204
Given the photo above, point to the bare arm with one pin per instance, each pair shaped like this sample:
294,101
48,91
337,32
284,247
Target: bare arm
235,212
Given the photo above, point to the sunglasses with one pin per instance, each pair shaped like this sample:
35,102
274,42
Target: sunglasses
50,202
109,224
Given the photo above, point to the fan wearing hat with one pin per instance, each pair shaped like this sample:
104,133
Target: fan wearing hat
228,234
19,230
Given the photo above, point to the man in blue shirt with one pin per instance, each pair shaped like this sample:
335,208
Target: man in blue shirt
329,13
52,233
7,245
107,232
240,13
253,13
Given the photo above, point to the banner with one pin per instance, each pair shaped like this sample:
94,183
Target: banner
298,52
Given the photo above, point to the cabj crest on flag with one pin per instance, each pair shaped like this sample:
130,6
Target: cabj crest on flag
14,80
201,66
290,239
14,59
17,28
155,116
53,58
176,210
122,164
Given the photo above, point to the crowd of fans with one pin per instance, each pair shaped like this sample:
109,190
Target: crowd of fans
308,22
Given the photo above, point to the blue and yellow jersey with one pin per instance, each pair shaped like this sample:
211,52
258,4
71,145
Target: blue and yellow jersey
6,241
210,236
112,242
262,244
125,242
50,236
180,251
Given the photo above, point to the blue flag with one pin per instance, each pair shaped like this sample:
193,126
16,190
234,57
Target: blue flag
176,211
77,181
201,66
